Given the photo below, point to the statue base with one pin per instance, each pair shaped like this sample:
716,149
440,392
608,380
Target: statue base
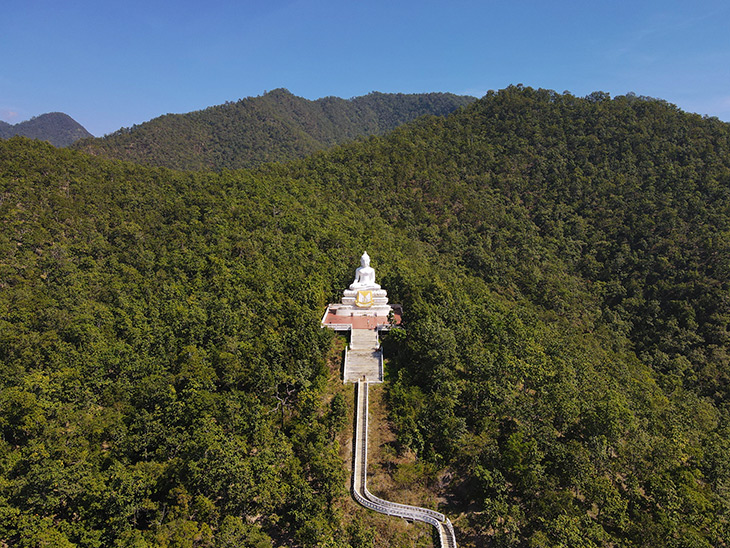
365,298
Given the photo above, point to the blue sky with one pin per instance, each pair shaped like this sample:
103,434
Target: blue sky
115,64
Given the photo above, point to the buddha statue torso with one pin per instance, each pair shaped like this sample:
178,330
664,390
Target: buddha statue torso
364,275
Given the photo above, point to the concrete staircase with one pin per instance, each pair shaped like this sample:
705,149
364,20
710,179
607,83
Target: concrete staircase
364,357
364,339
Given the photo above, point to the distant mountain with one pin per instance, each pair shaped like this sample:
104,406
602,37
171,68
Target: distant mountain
277,126
57,128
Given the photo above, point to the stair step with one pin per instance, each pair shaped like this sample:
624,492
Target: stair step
363,339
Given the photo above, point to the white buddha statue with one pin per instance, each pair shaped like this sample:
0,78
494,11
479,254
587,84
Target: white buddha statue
364,275
364,296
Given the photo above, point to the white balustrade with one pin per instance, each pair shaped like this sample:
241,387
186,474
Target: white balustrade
362,495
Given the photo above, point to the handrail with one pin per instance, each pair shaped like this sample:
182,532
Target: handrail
450,536
337,326
447,539
433,513
326,311
344,367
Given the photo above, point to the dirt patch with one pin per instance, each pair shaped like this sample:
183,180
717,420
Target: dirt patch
399,478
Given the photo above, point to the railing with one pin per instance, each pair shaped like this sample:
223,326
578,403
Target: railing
337,326
326,311
344,367
450,536
405,507
363,496
381,374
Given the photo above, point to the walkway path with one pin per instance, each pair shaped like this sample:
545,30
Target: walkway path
367,499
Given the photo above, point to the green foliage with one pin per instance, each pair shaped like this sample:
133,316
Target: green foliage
158,380
563,266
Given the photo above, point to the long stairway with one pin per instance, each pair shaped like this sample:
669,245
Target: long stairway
367,499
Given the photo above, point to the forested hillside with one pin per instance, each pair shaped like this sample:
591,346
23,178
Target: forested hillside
57,128
277,126
561,374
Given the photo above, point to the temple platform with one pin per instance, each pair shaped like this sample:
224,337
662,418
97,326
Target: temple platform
363,357
361,320
363,312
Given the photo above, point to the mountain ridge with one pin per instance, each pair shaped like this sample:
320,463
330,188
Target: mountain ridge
57,128
276,126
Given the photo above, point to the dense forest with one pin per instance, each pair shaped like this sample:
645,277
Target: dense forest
57,128
561,374
277,126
